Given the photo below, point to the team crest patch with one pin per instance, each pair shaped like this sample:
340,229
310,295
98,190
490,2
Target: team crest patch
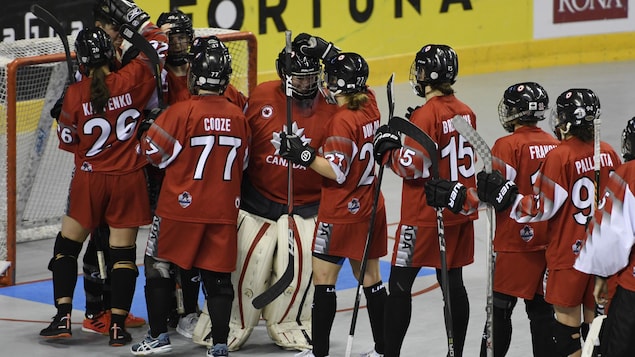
185,199
577,246
86,166
266,111
353,206
526,233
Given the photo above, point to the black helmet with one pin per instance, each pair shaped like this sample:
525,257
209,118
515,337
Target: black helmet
527,102
433,64
628,140
210,67
93,47
305,69
346,73
181,24
576,107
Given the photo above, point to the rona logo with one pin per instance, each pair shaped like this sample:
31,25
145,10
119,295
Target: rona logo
586,10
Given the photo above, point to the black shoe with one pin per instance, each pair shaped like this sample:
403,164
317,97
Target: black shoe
119,336
59,328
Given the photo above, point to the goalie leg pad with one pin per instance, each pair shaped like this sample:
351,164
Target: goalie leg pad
257,238
289,315
566,338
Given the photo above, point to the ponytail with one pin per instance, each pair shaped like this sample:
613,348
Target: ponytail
99,92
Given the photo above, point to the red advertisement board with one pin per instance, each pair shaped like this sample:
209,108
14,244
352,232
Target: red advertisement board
585,10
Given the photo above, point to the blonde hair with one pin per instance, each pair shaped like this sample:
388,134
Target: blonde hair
99,92
355,101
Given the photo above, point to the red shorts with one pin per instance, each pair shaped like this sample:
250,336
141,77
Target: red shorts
349,239
121,201
570,288
419,246
520,274
206,246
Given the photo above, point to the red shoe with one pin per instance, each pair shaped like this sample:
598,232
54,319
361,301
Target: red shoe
98,323
133,321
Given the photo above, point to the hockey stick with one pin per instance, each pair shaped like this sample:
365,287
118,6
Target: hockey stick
48,18
285,280
593,336
371,229
483,150
430,146
140,42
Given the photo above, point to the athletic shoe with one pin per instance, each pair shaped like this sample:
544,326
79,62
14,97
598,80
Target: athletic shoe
151,345
133,321
119,336
371,353
187,324
97,323
305,353
218,350
60,327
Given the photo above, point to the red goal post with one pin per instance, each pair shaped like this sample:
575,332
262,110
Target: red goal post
37,174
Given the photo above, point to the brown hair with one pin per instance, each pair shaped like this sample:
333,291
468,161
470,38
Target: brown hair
356,100
582,132
445,88
99,92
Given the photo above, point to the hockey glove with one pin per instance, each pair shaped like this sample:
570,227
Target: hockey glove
495,190
410,110
386,139
148,120
295,150
125,12
315,47
443,193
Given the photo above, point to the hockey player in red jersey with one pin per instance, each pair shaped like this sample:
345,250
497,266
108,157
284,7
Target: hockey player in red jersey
98,122
563,196
203,144
520,247
348,166
432,74
608,253
263,230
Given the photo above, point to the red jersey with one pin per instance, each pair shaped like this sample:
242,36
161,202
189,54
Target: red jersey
267,115
563,196
105,142
456,160
611,235
518,157
202,143
349,148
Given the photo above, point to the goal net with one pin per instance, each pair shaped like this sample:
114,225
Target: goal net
35,174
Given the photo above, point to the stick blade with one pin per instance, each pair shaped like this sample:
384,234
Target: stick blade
276,289
480,146
390,89
409,129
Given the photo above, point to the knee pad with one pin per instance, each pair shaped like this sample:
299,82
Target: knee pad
566,338
123,276
65,248
157,269
218,284
124,258
64,266
504,304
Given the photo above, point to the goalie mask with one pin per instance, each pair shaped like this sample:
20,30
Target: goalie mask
433,64
576,107
93,47
628,141
527,102
210,65
345,73
181,35
305,74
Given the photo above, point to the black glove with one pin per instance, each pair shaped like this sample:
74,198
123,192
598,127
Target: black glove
295,150
148,120
410,110
495,190
124,12
314,46
444,193
57,109
386,139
